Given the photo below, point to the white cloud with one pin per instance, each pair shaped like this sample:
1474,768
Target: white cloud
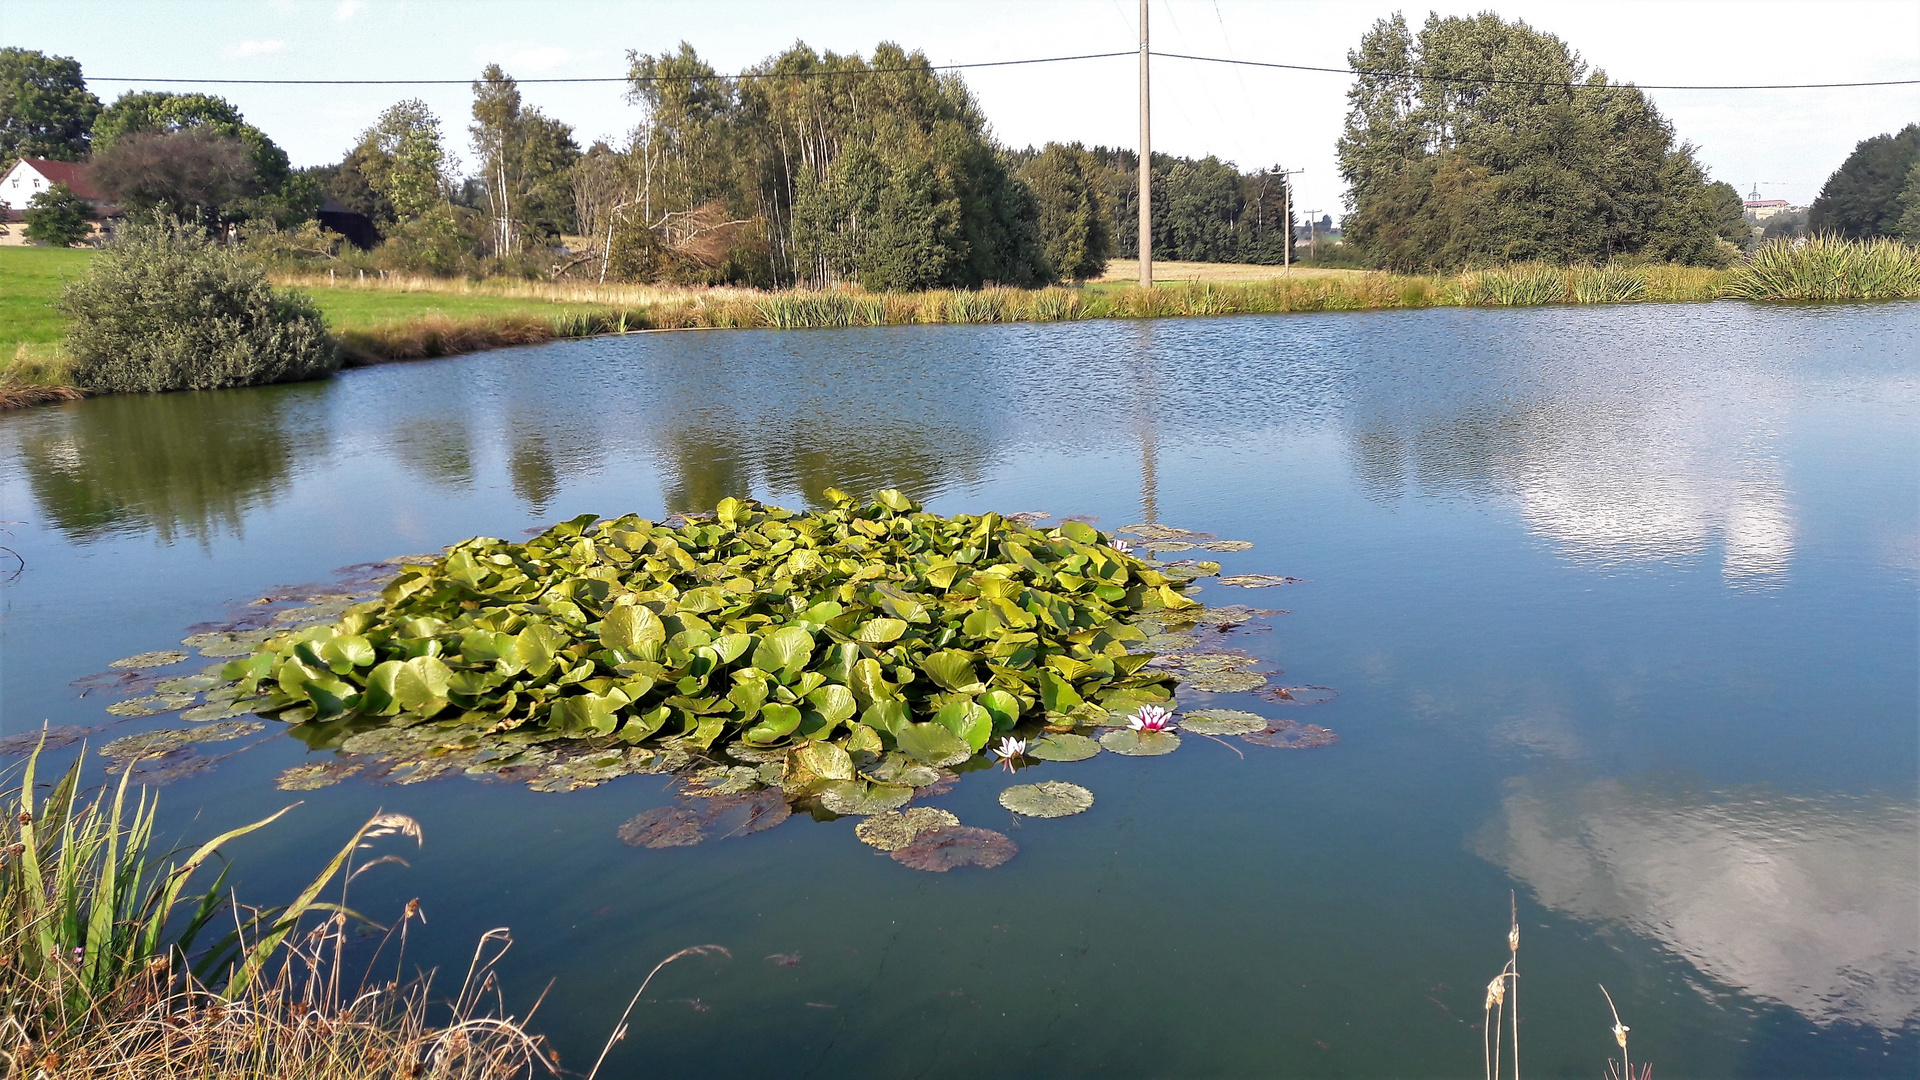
348,9
254,48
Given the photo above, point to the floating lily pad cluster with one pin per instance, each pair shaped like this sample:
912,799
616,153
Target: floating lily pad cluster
875,628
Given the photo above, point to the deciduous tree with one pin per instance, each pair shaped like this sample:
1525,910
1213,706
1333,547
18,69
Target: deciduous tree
46,110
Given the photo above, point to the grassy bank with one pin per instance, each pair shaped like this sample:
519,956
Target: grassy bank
382,319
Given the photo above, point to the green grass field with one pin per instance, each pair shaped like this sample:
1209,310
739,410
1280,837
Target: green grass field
30,281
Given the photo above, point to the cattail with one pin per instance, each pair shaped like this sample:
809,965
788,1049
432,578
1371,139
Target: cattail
1496,992
1620,1033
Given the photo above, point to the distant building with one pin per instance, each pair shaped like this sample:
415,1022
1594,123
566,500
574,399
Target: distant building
30,177
358,228
1762,209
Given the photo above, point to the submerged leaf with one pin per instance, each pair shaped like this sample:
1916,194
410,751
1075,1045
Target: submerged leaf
315,776
1291,735
150,706
1228,545
1300,695
160,658
1226,682
891,830
1257,581
940,850
1047,799
857,797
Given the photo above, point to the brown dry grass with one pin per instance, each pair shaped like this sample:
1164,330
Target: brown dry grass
1128,270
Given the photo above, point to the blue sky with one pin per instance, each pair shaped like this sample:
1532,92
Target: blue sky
1788,141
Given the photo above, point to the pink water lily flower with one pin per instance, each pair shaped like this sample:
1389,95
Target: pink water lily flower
1009,749
1122,547
1151,718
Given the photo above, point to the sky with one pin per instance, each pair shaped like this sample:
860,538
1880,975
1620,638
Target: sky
1786,142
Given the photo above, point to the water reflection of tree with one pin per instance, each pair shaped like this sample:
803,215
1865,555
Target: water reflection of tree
704,463
183,464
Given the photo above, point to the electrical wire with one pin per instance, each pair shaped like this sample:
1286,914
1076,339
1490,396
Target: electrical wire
626,78
1477,81
1530,82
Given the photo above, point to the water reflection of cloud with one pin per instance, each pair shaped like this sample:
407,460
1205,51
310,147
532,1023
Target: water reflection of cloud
1809,902
1616,463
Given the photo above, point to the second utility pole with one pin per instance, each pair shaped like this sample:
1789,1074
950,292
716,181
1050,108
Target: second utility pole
1146,163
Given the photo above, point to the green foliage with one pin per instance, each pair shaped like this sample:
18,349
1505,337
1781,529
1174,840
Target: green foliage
46,110
1445,172
1204,210
401,163
1829,268
1074,234
1909,227
192,174
525,158
164,309
86,912
1865,196
57,217
436,243
157,112
878,173
855,628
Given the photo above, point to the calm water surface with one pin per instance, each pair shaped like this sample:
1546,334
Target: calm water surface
1621,606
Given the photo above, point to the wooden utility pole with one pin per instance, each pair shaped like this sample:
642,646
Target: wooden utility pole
1286,216
1146,163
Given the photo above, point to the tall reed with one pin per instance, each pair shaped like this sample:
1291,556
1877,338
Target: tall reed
1829,268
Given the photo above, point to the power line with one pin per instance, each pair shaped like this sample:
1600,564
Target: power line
1531,82
1473,80
624,78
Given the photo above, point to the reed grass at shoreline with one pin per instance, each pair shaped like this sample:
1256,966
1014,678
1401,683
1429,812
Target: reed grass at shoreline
380,320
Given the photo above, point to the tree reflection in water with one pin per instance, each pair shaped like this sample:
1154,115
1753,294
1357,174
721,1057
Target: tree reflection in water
190,464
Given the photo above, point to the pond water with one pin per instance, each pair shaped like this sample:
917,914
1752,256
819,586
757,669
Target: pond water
1620,605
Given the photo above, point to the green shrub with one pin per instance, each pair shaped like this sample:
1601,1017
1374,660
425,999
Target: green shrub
57,217
162,308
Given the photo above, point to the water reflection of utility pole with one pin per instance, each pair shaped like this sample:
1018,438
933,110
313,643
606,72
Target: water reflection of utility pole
1145,406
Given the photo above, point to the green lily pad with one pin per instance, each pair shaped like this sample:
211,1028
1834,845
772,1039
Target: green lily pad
933,744
151,706
1231,615
315,776
1047,799
158,658
1222,722
1063,747
1226,682
892,830
1167,545
901,769
1140,743
856,797
1228,545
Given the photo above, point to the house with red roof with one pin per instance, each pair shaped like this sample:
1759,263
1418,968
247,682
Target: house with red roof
30,177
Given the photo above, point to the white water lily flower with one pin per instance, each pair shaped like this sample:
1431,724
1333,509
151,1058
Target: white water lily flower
1009,749
1122,547
1150,718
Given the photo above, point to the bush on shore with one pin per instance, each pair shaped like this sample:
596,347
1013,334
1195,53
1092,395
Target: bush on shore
163,308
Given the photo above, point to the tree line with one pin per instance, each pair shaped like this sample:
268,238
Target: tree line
1480,140
1473,141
